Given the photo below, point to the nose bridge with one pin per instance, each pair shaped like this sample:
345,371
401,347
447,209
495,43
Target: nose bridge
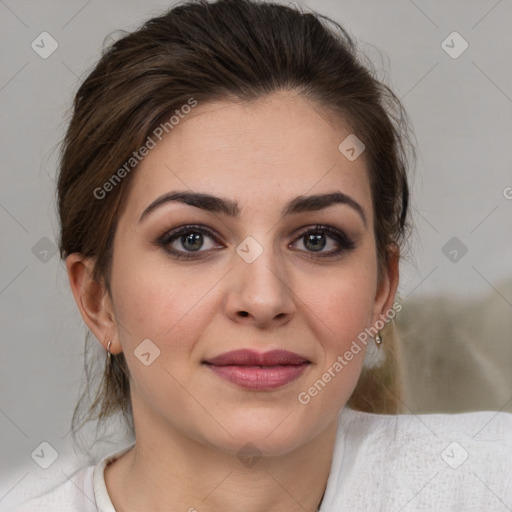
261,288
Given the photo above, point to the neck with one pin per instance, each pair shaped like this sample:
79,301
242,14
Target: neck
175,472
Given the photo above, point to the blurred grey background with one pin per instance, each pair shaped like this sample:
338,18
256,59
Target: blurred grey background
456,288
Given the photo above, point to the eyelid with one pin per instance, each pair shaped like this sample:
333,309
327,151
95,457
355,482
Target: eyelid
174,233
345,242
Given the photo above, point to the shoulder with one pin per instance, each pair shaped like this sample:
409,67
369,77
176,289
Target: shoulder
493,426
74,494
483,436
444,461
81,490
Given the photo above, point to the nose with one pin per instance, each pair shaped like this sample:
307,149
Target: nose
260,293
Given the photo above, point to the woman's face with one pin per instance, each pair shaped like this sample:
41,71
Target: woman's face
252,278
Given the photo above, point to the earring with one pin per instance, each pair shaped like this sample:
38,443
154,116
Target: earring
374,356
109,355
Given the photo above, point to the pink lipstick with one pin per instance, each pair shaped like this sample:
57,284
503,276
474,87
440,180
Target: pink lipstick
256,371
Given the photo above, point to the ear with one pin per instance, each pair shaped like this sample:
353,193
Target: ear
387,286
93,301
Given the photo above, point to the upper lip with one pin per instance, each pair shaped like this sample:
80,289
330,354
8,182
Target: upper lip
246,357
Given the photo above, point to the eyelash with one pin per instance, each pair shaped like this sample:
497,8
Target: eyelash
164,241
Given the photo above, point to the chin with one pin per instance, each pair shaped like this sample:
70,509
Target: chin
267,432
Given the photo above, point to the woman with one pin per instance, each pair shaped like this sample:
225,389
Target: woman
233,200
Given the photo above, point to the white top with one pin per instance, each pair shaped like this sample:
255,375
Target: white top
441,462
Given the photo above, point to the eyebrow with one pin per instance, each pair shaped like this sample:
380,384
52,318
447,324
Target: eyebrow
228,207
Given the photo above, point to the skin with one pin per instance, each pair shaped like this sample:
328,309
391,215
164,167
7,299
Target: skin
190,423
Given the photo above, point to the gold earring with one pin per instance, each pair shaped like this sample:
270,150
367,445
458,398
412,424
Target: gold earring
109,355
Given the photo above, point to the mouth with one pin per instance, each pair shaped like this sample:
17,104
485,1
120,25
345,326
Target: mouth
258,371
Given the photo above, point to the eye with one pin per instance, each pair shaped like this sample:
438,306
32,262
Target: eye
315,240
188,242
184,241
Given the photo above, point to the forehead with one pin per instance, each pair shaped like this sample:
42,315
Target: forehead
260,153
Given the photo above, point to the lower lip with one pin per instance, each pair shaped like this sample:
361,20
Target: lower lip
257,378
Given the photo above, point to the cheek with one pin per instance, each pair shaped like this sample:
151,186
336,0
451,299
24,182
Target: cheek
170,308
340,303
339,309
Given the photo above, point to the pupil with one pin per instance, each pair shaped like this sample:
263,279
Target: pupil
316,242
192,241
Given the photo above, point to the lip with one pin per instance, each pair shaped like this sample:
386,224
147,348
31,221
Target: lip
258,371
247,357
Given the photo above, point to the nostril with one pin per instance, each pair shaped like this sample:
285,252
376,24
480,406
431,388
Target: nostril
244,313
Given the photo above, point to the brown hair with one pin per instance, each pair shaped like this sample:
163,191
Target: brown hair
230,49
